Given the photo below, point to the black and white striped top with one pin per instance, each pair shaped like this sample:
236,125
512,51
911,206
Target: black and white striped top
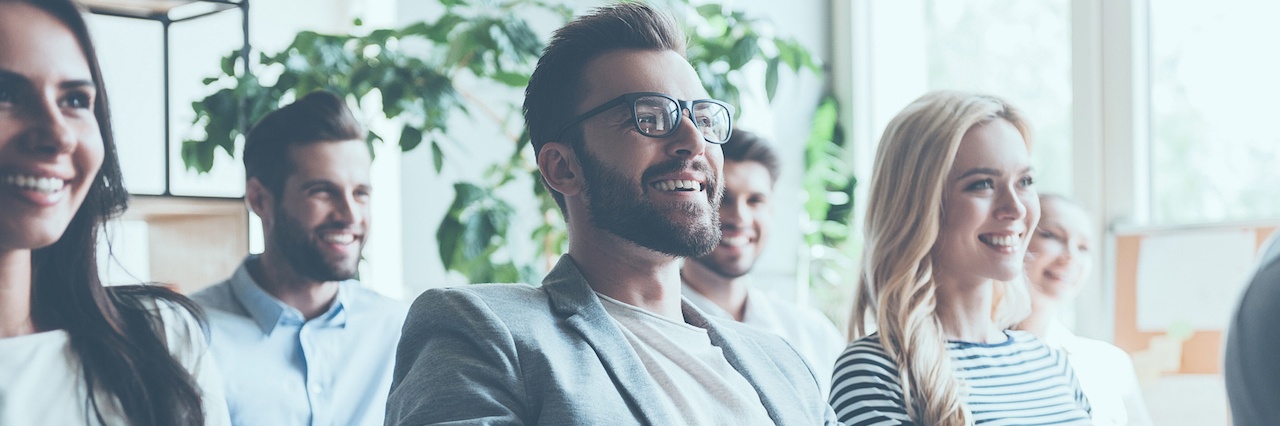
1017,382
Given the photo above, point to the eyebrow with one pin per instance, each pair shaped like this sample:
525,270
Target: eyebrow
66,85
77,84
989,171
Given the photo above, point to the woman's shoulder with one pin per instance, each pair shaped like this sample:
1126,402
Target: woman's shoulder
180,319
866,357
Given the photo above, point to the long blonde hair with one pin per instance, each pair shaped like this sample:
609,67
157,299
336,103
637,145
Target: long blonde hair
897,288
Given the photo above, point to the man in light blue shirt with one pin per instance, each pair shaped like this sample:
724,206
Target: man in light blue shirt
298,340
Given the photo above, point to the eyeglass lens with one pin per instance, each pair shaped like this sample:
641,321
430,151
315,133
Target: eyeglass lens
659,116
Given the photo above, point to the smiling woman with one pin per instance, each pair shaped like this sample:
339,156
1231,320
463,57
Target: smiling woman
951,210
72,351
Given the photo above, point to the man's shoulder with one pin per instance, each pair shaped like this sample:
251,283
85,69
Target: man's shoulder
366,300
518,302
219,297
806,316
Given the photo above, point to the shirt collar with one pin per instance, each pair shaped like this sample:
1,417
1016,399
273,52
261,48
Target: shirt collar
268,311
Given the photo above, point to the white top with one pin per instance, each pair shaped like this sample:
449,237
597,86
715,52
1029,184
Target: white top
1106,375
806,329
703,388
41,383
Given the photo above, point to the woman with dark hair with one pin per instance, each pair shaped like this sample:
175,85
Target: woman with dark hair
71,350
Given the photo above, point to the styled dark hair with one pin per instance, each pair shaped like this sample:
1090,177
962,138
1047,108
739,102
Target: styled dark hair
747,146
556,88
115,334
318,117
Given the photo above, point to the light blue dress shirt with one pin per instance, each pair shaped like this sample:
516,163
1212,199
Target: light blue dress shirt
282,370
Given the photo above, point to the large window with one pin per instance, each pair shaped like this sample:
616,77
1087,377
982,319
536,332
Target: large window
1017,50
1020,51
1214,90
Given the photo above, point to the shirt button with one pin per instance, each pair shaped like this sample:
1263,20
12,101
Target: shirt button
316,389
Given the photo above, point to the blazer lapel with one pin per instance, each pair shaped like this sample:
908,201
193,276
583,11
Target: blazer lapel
572,299
777,391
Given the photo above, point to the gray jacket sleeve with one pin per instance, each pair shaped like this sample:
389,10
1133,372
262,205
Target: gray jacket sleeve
1251,372
457,363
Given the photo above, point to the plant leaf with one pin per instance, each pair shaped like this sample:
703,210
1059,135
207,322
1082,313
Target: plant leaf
437,156
410,137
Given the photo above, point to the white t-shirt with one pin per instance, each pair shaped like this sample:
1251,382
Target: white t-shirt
1106,375
806,329
41,381
703,388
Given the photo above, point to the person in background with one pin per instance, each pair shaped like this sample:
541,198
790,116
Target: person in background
1058,261
73,352
298,339
718,284
951,210
1253,340
629,146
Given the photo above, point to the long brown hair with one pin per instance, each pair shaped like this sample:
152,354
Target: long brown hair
115,335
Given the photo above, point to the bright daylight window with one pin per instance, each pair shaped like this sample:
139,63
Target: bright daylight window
1215,151
1017,50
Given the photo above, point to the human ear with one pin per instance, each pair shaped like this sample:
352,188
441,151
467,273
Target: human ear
559,166
259,199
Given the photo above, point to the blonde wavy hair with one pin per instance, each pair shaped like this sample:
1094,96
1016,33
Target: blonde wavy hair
897,288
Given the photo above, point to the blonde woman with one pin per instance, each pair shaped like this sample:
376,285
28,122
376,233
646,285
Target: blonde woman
952,208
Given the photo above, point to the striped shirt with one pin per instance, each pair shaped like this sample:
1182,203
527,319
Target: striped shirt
1017,382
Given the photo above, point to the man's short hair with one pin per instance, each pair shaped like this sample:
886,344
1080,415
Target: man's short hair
746,146
556,88
317,117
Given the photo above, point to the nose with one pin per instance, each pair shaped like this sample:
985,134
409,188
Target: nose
49,133
732,214
1009,206
687,141
346,210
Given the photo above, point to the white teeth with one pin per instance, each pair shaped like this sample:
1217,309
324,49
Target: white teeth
338,238
43,185
677,184
740,240
1004,241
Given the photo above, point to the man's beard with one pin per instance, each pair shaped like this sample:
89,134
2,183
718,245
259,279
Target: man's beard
292,238
619,207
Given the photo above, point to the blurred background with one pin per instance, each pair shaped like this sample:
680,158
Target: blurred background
1149,113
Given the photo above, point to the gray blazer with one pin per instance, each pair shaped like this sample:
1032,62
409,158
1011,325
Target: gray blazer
511,354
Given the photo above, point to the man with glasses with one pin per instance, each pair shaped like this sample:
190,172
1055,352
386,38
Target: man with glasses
629,147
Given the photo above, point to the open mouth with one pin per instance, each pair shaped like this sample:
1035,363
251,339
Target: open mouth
735,241
341,238
42,185
678,185
1001,241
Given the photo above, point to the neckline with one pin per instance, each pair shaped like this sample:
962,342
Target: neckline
1007,341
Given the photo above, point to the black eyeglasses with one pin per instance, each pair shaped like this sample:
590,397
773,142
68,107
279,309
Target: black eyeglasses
657,115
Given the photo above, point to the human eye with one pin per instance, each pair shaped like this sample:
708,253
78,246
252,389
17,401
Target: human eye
77,100
1046,234
1083,248
1027,181
981,185
6,93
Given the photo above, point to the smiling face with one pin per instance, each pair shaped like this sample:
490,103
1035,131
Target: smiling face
321,220
1058,258
658,193
746,215
989,207
50,144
